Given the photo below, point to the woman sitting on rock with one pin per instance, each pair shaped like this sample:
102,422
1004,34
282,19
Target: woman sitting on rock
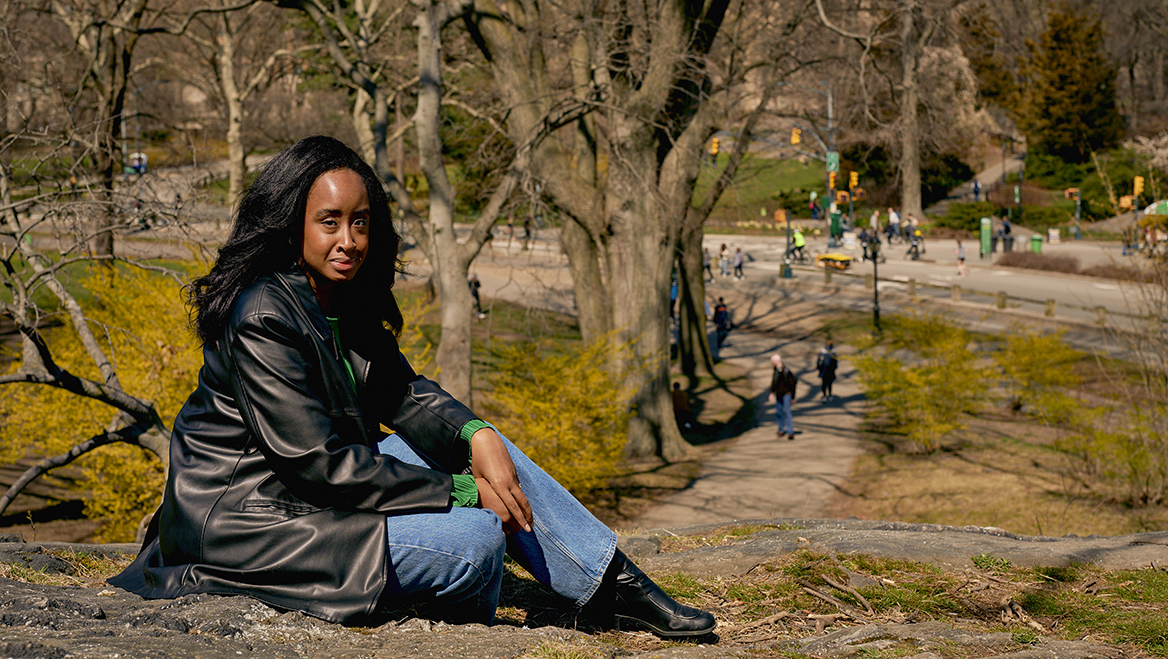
281,485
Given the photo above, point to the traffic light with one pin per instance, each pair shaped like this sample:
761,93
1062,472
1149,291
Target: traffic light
1071,193
714,147
854,180
796,136
1126,201
831,180
1138,185
842,197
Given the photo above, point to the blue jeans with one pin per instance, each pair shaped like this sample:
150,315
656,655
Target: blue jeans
454,559
783,415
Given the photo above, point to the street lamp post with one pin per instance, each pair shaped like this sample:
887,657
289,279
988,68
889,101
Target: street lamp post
1018,197
786,271
1078,214
875,284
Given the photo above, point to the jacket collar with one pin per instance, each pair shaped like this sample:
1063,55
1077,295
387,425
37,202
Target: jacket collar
296,282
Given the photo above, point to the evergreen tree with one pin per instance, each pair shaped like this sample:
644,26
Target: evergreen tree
1070,107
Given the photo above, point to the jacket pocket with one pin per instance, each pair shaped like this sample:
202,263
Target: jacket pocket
271,497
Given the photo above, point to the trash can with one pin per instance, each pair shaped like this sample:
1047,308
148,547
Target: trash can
1008,244
1036,243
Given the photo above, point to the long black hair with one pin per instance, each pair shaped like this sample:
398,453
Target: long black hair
268,233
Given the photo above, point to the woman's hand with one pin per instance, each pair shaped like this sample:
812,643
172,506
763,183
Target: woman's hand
499,487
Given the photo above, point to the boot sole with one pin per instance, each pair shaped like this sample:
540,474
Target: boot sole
664,633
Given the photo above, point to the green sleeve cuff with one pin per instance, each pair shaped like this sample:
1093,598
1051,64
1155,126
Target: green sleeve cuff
465,492
470,428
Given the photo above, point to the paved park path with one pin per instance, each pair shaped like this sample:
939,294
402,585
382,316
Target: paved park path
759,475
756,475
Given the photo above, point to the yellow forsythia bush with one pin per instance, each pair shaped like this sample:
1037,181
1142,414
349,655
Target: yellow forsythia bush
567,412
923,378
141,321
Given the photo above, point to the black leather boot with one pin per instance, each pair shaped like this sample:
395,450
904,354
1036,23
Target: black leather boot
639,600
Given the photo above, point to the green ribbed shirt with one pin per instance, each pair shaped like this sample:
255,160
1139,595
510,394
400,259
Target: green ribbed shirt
465,493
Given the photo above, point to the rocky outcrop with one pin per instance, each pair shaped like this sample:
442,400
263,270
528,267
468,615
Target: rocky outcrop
92,619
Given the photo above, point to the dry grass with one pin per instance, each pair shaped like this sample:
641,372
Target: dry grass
811,591
1001,471
1069,264
88,571
1032,261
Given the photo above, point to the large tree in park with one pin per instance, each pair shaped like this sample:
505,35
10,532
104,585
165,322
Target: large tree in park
236,55
916,90
613,101
1069,108
768,46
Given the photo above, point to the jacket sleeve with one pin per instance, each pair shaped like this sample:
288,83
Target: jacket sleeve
431,421
318,453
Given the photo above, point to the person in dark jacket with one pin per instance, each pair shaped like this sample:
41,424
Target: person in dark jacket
782,393
826,364
282,485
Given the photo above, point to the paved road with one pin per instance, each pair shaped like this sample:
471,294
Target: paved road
1075,296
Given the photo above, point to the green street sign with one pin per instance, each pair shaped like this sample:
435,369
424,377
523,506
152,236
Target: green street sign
986,228
833,161
1017,194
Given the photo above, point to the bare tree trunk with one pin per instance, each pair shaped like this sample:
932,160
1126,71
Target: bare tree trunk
1134,116
640,257
450,269
1158,78
693,341
909,128
236,154
362,126
399,144
593,306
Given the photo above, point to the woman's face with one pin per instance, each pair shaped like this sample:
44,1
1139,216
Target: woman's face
336,227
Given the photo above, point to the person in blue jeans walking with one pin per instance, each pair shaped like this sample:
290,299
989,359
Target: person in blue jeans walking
283,485
782,394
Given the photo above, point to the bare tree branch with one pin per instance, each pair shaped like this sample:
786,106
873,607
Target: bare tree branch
128,434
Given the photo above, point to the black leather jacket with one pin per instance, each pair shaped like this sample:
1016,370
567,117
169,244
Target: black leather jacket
276,490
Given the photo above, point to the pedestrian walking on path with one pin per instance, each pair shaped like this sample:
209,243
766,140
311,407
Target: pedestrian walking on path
782,394
826,364
722,323
739,259
960,252
724,260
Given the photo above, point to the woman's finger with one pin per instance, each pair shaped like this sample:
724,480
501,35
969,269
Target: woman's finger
517,503
490,500
491,461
